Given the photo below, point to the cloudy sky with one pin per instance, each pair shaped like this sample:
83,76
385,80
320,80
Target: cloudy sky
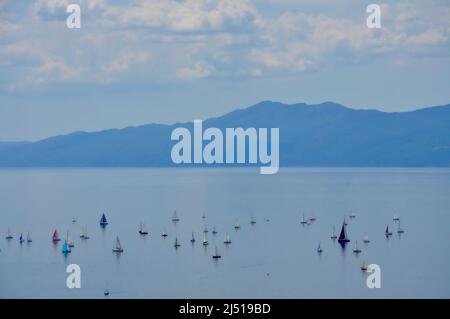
140,61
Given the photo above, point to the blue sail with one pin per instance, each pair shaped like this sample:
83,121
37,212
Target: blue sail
65,248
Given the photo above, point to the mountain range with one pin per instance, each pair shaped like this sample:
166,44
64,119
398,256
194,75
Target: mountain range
326,134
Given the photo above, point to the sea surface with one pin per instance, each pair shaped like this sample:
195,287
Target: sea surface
274,258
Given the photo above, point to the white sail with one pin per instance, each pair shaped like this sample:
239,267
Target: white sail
118,244
29,237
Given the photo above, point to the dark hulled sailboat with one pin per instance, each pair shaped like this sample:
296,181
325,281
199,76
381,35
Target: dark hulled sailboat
343,238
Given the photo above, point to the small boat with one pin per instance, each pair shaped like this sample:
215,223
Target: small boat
395,218
69,242
364,266
366,239
192,238
227,239
333,234
9,236
176,244
66,248
343,238
103,221
164,234
142,230
106,292
205,230
400,229
55,236
356,248
303,222
319,249
29,240
21,240
74,220
84,233
252,221
175,217
237,226
216,254
312,219
203,216
214,231
205,240
387,232
118,247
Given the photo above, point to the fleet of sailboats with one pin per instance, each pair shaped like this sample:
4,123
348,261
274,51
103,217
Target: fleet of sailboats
117,248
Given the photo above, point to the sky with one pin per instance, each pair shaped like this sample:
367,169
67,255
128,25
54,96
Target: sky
134,62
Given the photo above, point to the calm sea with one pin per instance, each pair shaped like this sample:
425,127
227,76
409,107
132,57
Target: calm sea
274,258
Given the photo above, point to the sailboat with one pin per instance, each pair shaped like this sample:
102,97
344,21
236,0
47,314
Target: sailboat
142,230
84,233
175,217
216,253
192,238
205,230
29,240
345,222
364,266
343,238
118,247
252,221
312,219
21,240
227,239
9,235
387,232
69,242
237,226
333,234
164,234
214,231
366,239
395,218
106,292
319,249
73,219
65,248
176,244
400,229
55,236
103,221
352,215
204,216
356,248
303,222
205,240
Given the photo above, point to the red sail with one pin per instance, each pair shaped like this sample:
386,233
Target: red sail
55,234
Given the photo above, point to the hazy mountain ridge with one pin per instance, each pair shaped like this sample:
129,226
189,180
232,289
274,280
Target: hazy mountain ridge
326,134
